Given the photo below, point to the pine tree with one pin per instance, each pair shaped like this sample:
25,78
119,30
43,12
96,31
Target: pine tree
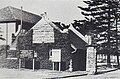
103,12
82,26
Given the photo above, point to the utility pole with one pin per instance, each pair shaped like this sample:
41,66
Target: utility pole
19,50
21,16
6,39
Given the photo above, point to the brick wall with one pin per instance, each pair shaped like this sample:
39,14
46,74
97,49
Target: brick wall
42,49
7,63
62,42
25,41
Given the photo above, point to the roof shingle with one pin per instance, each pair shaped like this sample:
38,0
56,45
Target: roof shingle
12,14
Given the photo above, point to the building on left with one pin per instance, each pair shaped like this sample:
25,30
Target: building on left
11,25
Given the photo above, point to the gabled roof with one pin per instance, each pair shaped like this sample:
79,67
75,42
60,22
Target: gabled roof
76,38
77,41
12,14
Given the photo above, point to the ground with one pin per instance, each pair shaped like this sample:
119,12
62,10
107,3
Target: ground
43,74
108,75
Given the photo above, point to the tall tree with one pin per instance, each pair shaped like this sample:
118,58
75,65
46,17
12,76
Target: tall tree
83,26
104,14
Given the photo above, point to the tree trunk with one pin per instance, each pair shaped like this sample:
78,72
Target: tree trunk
118,60
109,45
108,60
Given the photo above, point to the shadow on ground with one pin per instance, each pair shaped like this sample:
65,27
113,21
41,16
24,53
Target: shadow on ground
102,72
67,76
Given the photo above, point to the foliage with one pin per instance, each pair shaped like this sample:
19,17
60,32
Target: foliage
103,13
106,16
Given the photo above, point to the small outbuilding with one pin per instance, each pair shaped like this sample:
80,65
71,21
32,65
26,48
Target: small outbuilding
56,48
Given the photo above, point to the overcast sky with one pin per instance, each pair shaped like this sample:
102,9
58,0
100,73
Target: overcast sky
58,10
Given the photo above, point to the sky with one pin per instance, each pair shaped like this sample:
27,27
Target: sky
57,10
64,11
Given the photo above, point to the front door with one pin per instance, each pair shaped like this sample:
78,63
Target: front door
79,60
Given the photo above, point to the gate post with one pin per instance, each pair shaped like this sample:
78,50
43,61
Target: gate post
91,63
91,58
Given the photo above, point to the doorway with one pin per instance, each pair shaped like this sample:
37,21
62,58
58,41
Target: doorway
79,60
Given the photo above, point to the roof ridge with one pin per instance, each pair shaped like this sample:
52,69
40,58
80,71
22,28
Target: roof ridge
10,8
78,33
23,11
10,13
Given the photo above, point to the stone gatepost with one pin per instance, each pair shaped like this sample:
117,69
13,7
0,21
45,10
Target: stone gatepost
91,58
